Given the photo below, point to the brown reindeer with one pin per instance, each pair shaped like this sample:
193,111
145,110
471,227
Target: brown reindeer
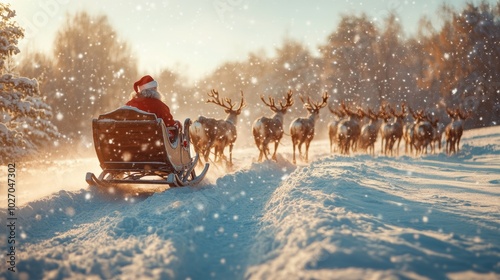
302,129
203,134
226,128
386,118
332,127
408,135
437,133
422,132
266,130
392,132
369,133
207,133
454,130
348,129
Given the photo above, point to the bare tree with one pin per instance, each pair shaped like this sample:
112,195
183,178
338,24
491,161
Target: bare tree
350,57
94,71
470,69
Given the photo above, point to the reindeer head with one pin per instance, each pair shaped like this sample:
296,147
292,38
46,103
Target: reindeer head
284,107
418,115
399,116
458,114
451,113
383,114
463,115
339,113
358,114
372,115
314,107
432,120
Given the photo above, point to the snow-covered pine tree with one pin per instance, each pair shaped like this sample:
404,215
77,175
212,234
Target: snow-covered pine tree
25,119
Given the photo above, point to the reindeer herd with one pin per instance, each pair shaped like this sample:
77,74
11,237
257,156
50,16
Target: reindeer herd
351,130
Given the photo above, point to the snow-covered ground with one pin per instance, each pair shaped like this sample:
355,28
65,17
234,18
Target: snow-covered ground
338,217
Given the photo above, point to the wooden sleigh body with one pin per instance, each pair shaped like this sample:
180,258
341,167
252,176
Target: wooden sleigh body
133,147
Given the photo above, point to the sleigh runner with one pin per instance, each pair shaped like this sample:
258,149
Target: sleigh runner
134,147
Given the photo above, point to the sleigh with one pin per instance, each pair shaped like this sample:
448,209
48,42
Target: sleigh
134,147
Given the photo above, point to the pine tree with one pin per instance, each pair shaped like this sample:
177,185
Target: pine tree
25,124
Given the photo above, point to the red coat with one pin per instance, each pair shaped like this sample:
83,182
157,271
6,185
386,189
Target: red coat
153,105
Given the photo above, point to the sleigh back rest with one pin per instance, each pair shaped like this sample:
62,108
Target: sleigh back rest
128,138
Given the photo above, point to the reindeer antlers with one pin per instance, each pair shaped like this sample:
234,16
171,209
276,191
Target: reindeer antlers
272,105
214,94
372,115
309,105
457,113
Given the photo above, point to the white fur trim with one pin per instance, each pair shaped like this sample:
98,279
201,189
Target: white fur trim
151,84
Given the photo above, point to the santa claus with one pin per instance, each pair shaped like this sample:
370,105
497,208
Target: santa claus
147,98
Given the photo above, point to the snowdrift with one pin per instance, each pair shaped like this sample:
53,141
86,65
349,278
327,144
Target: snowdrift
351,217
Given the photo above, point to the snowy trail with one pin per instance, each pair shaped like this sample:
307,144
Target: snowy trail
367,228
181,224
338,216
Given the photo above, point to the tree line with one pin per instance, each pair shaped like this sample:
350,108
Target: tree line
457,65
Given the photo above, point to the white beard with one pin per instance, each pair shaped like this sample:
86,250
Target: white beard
150,93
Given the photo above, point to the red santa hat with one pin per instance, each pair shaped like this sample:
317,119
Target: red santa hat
145,83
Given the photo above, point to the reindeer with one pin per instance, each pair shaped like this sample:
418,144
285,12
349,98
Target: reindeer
386,117
369,133
302,129
397,126
332,127
266,129
437,133
348,130
454,130
203,133
393,131
208,132
226,128
422,132
408,135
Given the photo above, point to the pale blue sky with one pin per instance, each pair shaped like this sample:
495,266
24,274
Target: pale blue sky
198,35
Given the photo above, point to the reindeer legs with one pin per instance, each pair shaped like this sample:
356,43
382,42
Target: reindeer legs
230,164
307,150
276,143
